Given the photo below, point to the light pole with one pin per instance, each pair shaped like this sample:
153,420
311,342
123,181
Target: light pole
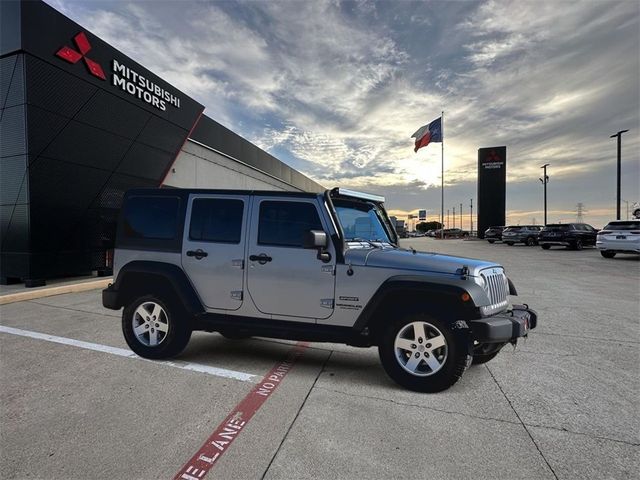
454,217
471,213
619,136
447,218
545,180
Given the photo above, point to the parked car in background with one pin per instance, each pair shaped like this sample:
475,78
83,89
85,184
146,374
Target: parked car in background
493,234
619,236
527,234
572,235
455,233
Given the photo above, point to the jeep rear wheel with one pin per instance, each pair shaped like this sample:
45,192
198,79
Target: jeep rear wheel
155,328
422,353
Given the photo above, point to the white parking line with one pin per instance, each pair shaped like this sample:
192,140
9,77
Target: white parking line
121,352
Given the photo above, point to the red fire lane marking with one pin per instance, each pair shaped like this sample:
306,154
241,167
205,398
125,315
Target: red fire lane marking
224,435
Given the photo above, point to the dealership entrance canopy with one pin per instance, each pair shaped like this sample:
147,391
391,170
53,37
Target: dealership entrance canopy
81,123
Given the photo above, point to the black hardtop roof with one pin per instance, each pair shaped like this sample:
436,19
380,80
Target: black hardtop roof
182,192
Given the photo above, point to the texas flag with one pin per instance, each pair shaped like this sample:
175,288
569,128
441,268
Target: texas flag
427,134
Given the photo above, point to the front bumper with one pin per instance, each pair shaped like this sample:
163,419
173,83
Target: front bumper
504,327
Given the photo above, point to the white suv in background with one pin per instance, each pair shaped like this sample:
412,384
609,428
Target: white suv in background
619,236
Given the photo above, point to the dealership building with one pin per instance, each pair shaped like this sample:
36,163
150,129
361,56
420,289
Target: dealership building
81,123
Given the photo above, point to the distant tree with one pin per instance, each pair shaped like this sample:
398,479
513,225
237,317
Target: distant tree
426,226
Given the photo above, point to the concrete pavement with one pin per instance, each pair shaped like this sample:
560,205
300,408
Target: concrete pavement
564,405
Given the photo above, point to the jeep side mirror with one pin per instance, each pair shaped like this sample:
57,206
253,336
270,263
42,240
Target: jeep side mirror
317,239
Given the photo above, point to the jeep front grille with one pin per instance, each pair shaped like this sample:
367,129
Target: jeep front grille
497,287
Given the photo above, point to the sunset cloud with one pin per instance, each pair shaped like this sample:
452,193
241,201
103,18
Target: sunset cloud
335,89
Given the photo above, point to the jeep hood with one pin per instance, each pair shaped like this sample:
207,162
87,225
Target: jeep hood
399,258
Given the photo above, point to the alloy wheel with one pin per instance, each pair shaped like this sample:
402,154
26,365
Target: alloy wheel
150,324
420,348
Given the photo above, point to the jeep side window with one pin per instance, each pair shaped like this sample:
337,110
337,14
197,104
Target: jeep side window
283,224
152,217
216,220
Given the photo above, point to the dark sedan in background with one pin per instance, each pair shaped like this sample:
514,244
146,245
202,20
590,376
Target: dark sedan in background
572,235
527,234
493,234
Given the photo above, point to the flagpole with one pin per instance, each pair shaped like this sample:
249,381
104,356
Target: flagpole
442,179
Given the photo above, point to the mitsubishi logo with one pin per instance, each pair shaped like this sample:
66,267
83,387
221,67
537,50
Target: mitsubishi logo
73,56
493,156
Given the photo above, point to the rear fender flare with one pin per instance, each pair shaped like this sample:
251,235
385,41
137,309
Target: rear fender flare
127,285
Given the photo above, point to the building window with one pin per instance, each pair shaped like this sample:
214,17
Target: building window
284,224
216,220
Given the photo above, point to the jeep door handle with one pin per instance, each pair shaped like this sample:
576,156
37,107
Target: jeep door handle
199,254
261,259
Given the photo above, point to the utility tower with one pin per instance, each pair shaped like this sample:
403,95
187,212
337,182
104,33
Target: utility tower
580,211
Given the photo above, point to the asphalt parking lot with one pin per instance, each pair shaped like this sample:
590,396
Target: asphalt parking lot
564,405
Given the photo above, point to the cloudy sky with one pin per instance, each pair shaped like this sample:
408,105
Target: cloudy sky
335,89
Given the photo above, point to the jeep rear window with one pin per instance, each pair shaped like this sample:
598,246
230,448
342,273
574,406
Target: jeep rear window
152,217
284,224
216,220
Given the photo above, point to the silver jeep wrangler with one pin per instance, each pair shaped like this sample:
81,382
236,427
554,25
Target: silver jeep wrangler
303,266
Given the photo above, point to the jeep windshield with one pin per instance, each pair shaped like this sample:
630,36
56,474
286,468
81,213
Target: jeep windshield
361,221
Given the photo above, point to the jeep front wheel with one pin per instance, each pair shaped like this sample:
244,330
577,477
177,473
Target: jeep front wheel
423,354
154,328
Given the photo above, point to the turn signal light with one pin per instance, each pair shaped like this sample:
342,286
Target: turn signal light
466,297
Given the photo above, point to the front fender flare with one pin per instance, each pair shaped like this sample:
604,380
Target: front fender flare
449,289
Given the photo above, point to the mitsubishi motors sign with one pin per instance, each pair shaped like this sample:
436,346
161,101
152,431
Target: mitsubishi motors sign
45,34
122,76
492,176
141,87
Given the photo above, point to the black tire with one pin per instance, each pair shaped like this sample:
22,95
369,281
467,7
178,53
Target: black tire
170,342
491,241
607,253
485,352
530,242
509,243
577,245
545,246
452,366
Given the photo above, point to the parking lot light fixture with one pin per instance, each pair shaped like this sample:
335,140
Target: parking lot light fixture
619,137
545,180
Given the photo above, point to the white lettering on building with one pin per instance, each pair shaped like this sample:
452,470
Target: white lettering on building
133,83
